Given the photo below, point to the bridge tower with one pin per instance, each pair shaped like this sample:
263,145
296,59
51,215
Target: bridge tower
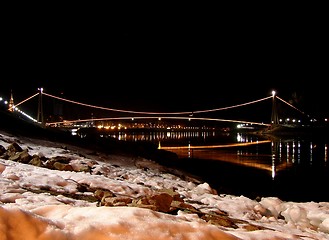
40,108
274,117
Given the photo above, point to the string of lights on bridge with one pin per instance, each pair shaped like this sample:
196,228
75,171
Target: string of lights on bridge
163,115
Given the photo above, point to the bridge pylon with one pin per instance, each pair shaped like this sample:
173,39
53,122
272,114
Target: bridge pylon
40,118
274,116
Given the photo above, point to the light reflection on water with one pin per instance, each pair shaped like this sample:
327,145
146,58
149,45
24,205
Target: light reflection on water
240,148
161,136
289,167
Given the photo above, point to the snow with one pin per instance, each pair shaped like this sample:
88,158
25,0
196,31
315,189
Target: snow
39,203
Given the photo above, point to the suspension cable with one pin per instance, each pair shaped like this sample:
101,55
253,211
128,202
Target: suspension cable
239,105
155,113
16,105
290,105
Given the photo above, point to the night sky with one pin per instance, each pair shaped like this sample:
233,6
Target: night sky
173,61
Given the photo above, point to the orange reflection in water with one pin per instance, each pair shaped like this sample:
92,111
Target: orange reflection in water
247,159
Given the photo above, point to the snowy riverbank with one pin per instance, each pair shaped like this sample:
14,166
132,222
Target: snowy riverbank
76,193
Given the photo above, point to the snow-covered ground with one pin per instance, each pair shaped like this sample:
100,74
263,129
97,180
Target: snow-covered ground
71,193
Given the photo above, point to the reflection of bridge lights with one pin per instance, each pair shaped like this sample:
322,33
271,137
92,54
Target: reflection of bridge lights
311,153
294,151
239,137
289,157
74,131
217,146
242,138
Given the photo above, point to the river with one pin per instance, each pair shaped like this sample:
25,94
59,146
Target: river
292,168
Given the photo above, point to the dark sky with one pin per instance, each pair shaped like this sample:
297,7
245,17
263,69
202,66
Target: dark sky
176,60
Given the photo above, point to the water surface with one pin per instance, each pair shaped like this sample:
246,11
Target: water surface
291,168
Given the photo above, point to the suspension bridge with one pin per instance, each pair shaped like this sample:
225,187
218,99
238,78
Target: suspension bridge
113,118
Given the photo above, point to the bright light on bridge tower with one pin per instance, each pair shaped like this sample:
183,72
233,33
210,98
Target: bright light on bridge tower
40,108
274,117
